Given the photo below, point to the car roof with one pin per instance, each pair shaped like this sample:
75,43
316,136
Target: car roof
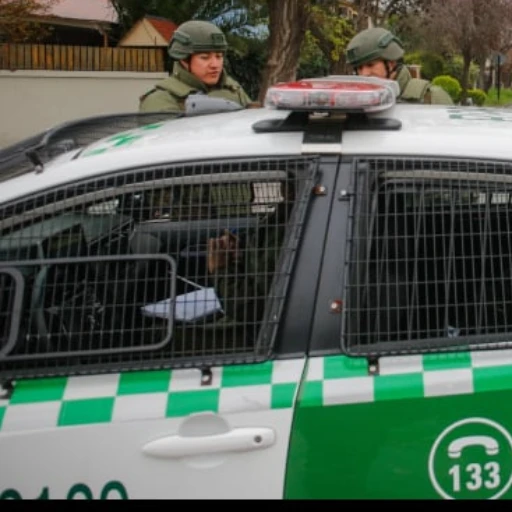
425,130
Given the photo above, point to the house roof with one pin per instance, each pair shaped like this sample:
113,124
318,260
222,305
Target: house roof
164,26
149,31
87,10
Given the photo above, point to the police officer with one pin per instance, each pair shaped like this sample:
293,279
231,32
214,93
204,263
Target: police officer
242,270
377,52
198,48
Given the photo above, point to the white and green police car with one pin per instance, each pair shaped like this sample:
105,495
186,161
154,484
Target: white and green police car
308,300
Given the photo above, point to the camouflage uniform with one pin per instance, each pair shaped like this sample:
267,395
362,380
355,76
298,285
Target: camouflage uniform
170,94
380,44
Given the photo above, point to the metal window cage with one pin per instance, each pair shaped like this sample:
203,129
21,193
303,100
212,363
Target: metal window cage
115,272
429,264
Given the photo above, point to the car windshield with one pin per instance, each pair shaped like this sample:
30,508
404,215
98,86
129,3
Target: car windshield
25,156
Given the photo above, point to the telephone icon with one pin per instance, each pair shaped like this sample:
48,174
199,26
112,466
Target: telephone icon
457,446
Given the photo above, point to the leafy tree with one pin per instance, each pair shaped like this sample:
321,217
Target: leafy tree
380,11
454,66
313,62
247,65
432,64
228,14
472,28
330,34
17,23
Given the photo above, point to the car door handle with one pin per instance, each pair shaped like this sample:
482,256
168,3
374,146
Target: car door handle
237,440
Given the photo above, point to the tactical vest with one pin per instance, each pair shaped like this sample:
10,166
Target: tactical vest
176,88
416,89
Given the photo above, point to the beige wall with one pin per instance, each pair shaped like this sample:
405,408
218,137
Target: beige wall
32,101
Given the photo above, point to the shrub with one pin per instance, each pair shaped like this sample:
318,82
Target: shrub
478,96
450,85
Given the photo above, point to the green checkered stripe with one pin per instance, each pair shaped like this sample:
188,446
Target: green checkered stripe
339,380
109,398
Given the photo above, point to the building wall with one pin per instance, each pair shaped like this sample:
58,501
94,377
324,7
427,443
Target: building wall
32,101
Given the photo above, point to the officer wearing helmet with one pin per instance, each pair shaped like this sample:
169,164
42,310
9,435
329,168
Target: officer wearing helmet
377,52
198,49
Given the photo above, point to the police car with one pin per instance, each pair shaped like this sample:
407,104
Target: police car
307,300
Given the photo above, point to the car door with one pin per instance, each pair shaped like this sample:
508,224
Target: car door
102,402
406,390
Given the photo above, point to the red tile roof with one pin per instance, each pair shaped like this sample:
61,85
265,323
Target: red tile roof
163,26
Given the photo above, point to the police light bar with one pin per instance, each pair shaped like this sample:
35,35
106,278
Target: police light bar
334,94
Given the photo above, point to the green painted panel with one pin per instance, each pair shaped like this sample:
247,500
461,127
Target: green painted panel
400,449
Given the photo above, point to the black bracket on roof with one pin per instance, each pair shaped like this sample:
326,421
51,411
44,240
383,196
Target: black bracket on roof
295,122
299,121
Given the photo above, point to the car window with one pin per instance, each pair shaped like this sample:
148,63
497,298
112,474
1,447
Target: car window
114,272
430,265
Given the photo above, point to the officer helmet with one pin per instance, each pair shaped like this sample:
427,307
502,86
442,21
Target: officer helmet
196,37
374,43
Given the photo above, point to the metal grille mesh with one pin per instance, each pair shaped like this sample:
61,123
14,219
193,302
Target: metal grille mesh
430,257
131,270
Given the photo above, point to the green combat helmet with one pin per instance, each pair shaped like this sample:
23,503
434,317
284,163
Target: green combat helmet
196,37
371,44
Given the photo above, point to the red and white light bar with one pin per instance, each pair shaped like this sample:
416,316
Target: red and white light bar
334,94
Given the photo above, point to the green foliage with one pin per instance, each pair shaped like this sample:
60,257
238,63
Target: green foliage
323,48
504,99
246,67
454,66
478,96
228,14
432,64
450,85
313,62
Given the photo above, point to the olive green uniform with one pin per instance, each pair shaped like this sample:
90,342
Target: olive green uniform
243,286
377,43
170,94
419,90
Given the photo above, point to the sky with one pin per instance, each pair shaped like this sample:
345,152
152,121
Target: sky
98,10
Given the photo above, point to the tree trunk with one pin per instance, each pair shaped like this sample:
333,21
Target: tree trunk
338,67
465,79
482,78
287,25
365,10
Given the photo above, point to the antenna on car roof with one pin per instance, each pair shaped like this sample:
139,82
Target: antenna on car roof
199,104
